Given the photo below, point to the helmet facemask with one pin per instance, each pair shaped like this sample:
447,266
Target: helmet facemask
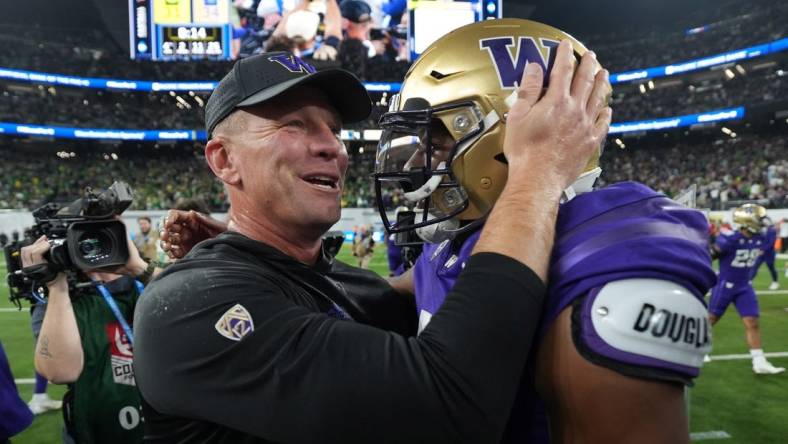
414,160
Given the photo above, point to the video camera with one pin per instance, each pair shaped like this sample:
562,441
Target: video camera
84,235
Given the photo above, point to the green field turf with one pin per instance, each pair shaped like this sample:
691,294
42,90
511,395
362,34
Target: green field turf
727,397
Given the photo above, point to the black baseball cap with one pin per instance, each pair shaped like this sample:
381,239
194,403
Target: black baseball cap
356,10
261,77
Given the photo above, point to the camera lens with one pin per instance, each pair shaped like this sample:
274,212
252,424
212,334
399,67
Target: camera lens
94,246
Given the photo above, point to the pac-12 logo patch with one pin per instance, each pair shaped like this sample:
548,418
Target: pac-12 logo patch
235,323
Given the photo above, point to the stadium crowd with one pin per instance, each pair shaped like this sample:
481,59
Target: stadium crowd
731,25
377,55
748,167
47,105
158,181
374,54
682,97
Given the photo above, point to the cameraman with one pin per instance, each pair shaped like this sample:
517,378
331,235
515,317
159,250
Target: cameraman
85,342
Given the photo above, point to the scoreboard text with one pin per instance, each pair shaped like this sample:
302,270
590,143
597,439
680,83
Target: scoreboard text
180,29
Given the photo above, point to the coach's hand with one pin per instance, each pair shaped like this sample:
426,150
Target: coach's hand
555,135
185,229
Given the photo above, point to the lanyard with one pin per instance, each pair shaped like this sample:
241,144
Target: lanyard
116,311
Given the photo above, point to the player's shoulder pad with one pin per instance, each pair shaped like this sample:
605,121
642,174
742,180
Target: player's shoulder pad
649,328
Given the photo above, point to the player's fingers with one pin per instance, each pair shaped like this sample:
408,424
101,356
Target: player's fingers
600,93
561,74
169,220
175,217
583,81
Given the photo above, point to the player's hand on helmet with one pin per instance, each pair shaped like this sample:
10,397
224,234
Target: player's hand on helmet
557,133
185,229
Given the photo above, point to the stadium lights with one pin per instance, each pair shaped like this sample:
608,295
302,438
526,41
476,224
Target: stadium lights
780,72
183,102
650,84
620,143
729,74
733,135
642,88
361,150
726,130
740,69
199,101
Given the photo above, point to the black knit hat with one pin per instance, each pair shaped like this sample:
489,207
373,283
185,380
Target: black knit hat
261,77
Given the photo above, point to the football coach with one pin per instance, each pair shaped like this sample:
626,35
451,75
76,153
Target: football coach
257,336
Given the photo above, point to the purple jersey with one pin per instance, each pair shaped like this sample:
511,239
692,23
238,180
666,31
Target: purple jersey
394,255
15,416
622,231
739,256
619,232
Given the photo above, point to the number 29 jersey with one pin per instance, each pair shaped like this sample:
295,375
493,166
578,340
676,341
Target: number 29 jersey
739,256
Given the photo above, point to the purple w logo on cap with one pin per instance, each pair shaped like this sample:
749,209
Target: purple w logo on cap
511,71
292,63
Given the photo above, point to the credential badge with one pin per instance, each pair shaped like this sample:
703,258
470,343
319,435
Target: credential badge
235,323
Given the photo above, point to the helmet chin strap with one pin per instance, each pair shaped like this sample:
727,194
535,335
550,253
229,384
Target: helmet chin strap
438,232
583,184
427,189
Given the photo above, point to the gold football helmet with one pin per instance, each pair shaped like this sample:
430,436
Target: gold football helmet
441,151
751,217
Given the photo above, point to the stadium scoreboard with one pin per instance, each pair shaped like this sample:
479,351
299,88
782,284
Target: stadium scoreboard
180,29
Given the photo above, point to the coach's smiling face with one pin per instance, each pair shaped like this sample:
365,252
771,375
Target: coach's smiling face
283,163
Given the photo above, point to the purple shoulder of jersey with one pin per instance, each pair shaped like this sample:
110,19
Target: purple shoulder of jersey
626,231
622,231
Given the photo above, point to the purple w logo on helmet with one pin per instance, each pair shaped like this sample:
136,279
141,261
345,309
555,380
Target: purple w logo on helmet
292,63
511,71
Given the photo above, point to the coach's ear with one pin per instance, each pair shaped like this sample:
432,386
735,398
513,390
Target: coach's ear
221,161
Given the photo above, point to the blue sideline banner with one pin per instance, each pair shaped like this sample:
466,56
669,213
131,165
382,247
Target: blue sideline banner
165,135
678,121
706,62
142,85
